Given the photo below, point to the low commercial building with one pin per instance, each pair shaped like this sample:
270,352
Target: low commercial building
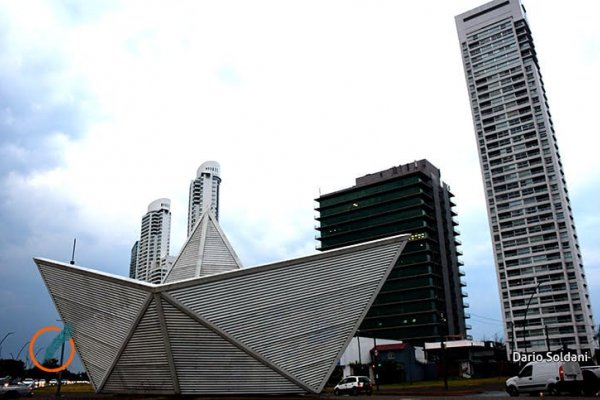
468,358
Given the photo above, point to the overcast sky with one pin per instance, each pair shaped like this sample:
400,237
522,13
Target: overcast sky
107,106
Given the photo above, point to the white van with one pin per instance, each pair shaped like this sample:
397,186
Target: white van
552,377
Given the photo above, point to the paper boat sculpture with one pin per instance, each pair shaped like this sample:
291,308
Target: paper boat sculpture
276,328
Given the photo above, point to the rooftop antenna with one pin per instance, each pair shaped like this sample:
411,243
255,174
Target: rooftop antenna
72,262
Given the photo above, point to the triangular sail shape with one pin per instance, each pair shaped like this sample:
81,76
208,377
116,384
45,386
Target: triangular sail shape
206,252
101,309
315,305
207,364
143,365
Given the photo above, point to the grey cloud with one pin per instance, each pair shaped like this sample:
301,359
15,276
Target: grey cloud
38,98
83,12
37,101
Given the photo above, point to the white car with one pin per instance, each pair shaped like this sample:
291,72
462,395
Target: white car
28,382
552,377
354,385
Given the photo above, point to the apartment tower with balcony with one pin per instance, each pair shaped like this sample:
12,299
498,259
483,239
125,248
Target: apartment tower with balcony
151,251
544,295
204,193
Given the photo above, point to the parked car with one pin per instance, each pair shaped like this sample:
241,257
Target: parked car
552,377
591,379
354,385
8,391
28,382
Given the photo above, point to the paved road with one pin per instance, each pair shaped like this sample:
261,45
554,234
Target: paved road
483,396
489,395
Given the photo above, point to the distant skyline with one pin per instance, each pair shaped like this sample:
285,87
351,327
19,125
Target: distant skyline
106,106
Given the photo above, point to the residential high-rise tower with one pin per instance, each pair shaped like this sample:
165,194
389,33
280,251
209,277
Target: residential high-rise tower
543,290
204,193
152,250
422,299
133,259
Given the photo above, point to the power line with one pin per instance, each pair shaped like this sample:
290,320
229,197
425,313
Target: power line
484,317
488,322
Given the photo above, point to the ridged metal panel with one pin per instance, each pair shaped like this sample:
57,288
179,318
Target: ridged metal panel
207,364
143,366
298,316
100,311
185,265
277,328
217,257
206,252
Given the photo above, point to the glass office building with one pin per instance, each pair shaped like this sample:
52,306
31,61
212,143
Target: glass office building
422,299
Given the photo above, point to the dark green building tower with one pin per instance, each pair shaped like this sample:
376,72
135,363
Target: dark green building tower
422,299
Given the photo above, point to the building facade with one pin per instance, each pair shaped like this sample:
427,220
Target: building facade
422,299
204,193
543,290
133,259
151,252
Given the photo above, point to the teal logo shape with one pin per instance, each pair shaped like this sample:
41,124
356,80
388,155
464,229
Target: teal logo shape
58,341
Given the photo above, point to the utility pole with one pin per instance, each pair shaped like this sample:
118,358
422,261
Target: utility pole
376,365
443,348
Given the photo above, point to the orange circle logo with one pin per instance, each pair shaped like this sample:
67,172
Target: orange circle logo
37,363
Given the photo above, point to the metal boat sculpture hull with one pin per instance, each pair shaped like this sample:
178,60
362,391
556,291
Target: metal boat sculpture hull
276,328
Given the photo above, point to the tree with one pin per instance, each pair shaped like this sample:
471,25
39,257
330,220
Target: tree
13,368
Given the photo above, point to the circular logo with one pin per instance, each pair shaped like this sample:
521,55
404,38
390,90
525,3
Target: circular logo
37,363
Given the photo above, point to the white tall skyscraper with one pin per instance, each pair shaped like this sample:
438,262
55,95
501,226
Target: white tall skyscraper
544,295
204,193
152,255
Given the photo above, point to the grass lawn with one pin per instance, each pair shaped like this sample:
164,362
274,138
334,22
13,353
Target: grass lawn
496,383
74,388
452,383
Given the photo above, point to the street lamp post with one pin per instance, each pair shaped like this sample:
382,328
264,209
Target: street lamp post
59,383
22,347
62,348
513,345
27,361
358,340
2,341
525,318
376,367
